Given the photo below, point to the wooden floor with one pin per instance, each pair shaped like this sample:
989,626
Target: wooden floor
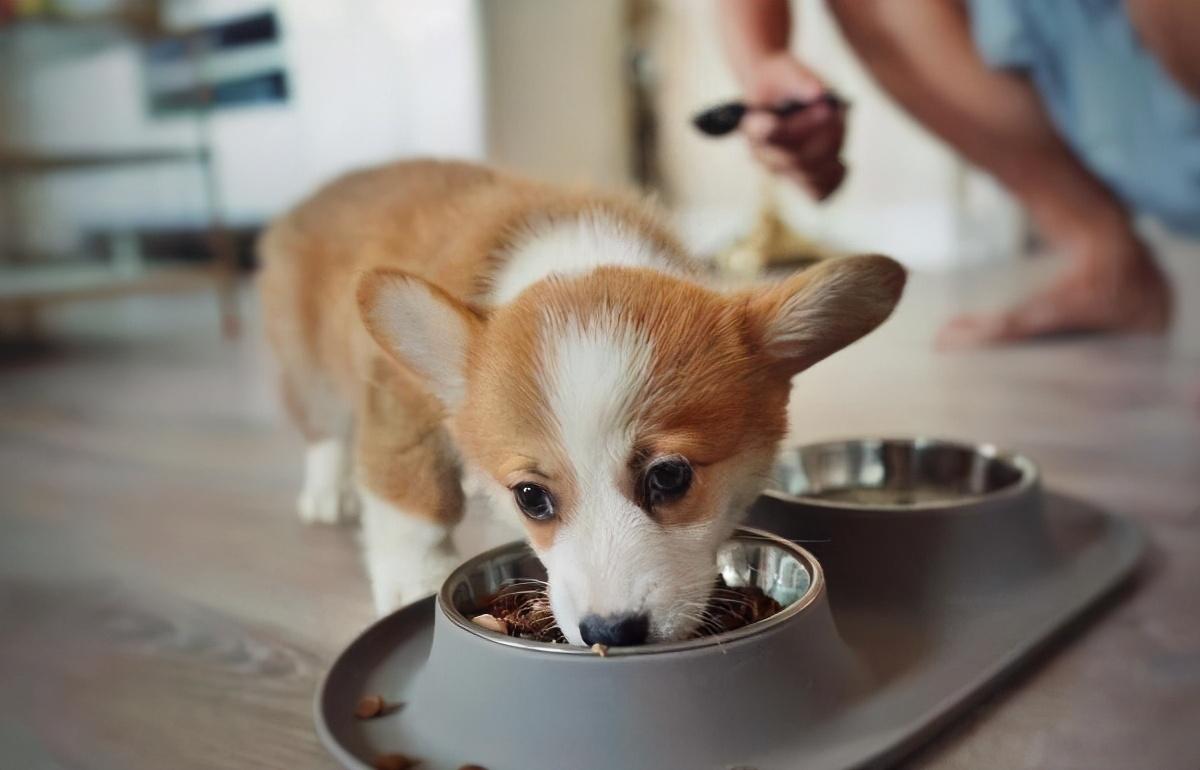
161,605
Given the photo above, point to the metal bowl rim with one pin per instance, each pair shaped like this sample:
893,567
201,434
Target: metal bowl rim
1029,479
816,588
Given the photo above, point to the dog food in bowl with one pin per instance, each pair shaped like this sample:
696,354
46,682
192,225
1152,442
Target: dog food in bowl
522,610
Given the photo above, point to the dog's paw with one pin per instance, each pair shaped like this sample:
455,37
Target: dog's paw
327,496
326,505
409,578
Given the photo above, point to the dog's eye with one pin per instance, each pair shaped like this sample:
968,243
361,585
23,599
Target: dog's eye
534,501
666,480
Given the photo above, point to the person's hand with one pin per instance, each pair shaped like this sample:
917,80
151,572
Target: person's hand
805,146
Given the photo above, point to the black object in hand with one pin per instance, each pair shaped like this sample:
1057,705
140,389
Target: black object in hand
725,118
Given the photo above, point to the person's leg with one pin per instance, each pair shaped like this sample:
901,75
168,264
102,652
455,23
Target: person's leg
1170,29
921,51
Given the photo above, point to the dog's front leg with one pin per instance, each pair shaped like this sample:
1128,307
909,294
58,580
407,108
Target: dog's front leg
327,496
408,555
410,496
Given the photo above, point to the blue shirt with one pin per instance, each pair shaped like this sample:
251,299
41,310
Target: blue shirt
1129,121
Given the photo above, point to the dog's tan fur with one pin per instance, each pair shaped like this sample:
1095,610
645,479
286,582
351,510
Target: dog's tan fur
445,222
719,374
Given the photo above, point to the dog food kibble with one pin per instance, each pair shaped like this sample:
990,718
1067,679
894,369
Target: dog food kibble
600,649
394,762
732,607
520,611
491,623
370,706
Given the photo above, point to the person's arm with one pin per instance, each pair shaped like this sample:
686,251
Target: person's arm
805,146
753,30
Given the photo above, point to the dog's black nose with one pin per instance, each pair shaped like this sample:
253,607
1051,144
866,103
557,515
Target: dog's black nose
614,630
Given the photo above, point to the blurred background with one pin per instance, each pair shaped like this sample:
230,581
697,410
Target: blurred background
144,142
153,573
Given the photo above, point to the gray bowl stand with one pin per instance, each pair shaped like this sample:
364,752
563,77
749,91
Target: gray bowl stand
946,612
948,607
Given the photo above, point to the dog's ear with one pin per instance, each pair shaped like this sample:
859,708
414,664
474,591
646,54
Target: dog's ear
819,311
421,326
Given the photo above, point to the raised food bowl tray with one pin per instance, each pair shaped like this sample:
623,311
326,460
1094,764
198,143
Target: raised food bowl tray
933,569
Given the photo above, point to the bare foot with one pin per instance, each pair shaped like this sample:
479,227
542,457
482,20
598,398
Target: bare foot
1106,291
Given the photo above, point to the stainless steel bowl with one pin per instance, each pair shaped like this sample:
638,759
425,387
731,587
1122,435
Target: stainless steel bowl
784,571
723,700
903,473
903,518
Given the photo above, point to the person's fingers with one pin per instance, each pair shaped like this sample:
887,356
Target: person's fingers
818,180
821,181
824,144
828,183
821,151
784,77
799,126
806,145
758,125
776,159
822,189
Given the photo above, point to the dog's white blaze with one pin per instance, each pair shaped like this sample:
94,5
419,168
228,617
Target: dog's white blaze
593,379
595,375
610,557
572,247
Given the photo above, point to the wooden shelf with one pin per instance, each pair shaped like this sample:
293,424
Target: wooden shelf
28,285
14,162
142,19
48,282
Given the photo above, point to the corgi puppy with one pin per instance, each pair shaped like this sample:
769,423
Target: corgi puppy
430,317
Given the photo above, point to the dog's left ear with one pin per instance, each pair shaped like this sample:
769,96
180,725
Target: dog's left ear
422,326
819,311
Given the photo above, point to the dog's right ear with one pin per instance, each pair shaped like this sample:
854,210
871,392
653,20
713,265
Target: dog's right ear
421,326
814,313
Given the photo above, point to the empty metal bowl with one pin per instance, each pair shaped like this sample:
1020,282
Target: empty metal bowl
725,700
910,514
918,473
